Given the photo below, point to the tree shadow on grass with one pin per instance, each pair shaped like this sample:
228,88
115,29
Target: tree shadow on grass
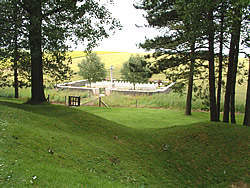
76,118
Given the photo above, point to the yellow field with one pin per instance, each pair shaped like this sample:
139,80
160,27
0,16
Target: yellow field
118,58
78,54
108,58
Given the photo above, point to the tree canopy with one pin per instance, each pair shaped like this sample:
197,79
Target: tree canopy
191,32
135,70
49,24
92,69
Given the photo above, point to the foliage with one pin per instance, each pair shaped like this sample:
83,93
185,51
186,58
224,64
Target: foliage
135,70
190,30
3,78
177,51
92,68
49,24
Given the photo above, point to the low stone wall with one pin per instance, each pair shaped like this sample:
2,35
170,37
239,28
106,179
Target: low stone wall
73,87
78,83
165,90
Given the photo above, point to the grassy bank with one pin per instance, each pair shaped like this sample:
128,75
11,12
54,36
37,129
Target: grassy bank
142,118
57,146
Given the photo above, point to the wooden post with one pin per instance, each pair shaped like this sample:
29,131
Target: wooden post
48,99
69,101
100,101
79,101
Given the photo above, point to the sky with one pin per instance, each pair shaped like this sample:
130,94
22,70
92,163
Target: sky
126,40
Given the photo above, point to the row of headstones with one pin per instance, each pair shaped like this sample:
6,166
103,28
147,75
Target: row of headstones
124,84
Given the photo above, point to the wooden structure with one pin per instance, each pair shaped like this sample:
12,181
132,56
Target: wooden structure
102,102
74,101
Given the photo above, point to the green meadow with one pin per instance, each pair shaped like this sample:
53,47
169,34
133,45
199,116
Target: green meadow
118,58
170,101
57,146
153,145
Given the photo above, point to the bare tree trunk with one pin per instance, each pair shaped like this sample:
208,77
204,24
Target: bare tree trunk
232,68
15,66
35,37
247,108
212,90
229,80
235,64
190,82
220,61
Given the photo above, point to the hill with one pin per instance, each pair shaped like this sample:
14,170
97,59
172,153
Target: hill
108,58
57,146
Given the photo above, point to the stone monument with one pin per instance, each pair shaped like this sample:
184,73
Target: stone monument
111,76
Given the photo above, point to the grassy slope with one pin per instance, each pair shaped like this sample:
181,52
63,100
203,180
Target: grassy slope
144,118
86,153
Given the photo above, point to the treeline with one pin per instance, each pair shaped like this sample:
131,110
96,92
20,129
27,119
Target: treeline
34,35
195,32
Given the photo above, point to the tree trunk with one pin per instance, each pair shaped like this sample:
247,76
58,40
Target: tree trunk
190,82
247,108
235,64
232,69
212,98
35,38
229,80
15,67
220,61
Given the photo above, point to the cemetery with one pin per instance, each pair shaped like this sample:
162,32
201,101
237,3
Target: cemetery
118,86
159,102
115,86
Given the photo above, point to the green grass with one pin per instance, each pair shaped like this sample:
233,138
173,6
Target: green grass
108,151
143,118
165,101
169,101
57,96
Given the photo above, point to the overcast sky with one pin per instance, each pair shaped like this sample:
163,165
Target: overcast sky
125,40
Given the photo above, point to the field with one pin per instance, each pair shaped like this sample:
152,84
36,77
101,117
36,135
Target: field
117,59
171,101
108,58
56,146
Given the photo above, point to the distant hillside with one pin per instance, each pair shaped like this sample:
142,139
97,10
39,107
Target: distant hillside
109,58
